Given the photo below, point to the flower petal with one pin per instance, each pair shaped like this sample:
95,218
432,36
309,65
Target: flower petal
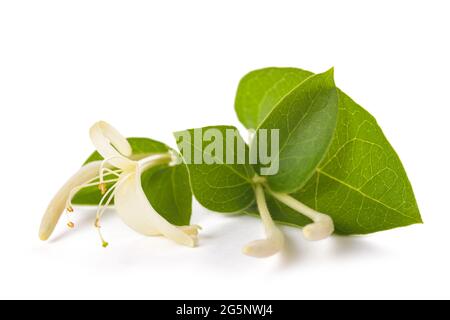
322,228
57,205
136,211
265,247
111,144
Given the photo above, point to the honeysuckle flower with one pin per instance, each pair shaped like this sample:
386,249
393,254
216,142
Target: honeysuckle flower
322,226
129,198
275,239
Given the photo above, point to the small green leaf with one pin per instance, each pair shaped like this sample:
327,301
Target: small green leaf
218,186
361,182
306,118
169,192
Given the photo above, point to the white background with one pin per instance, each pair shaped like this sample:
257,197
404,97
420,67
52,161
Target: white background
151,68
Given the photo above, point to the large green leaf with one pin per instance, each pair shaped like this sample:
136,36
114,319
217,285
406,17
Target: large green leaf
218,186
260,90
306,119
361,182
167,188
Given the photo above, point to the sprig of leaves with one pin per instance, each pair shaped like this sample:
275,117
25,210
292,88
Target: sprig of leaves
333,157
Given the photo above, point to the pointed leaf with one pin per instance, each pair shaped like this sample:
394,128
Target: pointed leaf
260,90
361,182
306,118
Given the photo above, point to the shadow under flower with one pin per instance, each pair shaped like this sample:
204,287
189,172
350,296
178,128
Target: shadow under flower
298,250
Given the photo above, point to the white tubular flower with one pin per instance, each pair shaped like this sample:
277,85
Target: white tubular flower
129,198
275,239
322,226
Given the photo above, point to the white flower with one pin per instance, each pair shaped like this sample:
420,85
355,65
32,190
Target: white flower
275,239
322,226
129,198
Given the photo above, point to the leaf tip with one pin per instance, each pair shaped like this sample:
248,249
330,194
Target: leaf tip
330,72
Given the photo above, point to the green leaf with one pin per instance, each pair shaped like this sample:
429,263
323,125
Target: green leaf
260,90
167,188
169,192
306,118
361,183
218,186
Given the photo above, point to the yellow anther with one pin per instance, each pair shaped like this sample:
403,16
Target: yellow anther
71,225
69,209
102,188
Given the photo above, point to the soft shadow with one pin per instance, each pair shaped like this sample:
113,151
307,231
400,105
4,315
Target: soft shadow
300,251
344,247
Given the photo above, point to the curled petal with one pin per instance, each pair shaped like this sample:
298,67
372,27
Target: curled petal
135,210
265,247
111,144
321,229
58,203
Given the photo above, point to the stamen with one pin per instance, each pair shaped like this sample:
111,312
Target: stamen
103,205
69,209
88,184
103,169
102,187
109,195
71,225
